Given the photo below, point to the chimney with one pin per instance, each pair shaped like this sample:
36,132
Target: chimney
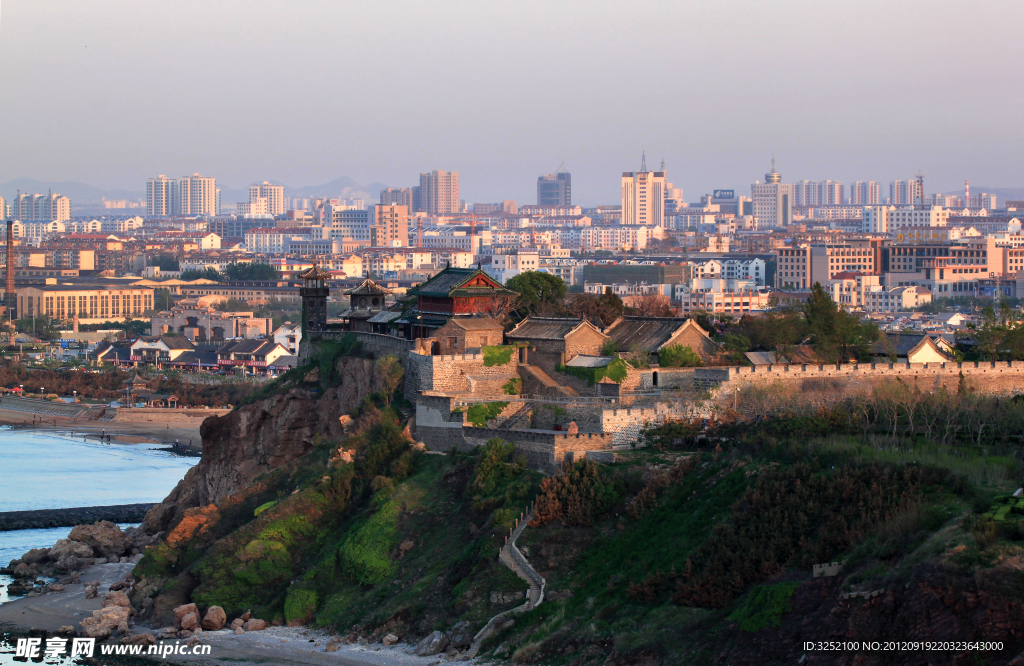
9,296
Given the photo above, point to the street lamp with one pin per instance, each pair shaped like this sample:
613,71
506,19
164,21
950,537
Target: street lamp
41,392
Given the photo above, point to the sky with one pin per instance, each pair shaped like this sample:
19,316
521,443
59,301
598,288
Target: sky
112,92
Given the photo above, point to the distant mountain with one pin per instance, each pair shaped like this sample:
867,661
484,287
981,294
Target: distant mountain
1002,193
79,193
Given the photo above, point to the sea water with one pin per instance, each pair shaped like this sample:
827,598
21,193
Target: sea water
53,470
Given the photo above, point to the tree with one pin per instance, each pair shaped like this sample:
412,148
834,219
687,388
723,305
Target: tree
838,334
162,297
391,373
165,262
206,274
538,292
650,305
679,356
251,271
735,345
606,308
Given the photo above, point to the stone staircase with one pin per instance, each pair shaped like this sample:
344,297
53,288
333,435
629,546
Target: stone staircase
533,375
511,557
524,411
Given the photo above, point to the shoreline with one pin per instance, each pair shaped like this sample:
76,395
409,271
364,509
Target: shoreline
186,436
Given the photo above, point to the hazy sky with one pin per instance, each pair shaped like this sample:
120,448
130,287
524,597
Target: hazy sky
111,92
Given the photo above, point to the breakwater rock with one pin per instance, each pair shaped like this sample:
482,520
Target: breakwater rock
83,515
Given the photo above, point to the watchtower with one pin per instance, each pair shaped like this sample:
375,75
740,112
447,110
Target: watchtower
314,300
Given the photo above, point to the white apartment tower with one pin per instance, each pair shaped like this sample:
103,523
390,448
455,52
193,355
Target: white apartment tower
643,197
50,206
191,195
903,192
274,194
865,193
158,196
772,201
439,192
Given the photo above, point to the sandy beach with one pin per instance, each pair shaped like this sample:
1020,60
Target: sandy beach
131,431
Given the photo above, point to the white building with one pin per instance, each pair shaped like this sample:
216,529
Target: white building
288,335
643,197
41,207
273,194
889,219
865,193
773,201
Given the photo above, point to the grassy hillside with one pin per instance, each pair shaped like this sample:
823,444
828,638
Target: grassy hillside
697,549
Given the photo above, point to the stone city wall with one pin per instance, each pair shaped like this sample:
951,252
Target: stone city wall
985,377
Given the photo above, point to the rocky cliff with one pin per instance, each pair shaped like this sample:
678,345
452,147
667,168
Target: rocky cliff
260,437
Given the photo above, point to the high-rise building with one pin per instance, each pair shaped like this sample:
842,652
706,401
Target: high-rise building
902,192
643,196
56,207
3,209
398,196
391,226
773,201
191,195
158,196
673,199
818,193
983,200
439,192
274,194
865,193
555,189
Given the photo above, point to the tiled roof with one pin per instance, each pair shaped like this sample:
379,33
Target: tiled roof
477,323
650,333
451,279
367,288
547,328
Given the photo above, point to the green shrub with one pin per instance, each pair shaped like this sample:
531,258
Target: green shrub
679,356
616,371
513,386
365,555
498,354
264,507
764,606
480,414
300,605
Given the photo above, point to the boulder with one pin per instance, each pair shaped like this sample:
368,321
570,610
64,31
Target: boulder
91,592
390,639
182,611
99,560
23,571
145,640
333,647
432,644
55,587
254,624
104,538
65,547
104,621
168,632
461,636
116,599
237,623
214,618
239,630
189,621
119,585
36,555
67,630
246,615
68,563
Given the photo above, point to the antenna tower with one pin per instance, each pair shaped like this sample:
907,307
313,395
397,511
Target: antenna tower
643,162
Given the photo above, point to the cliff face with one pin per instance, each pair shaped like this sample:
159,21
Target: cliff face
260,437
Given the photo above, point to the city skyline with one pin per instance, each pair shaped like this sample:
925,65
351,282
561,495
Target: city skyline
101,138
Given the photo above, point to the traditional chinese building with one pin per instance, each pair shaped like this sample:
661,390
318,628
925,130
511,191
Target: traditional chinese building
314,299
454,292
365,301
